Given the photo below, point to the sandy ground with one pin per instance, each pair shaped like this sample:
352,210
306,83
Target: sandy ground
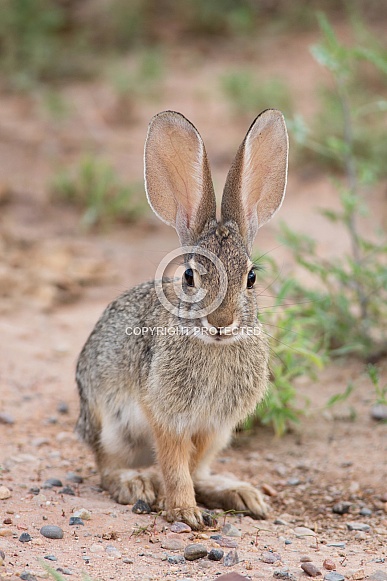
54,283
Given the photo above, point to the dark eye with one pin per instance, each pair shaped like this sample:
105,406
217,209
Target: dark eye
189,277
251,279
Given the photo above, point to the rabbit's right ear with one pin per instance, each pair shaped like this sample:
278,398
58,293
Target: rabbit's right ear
177,176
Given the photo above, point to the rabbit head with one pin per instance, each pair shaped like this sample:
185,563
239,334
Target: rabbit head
217,285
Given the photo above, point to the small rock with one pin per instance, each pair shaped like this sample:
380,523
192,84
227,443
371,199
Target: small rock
341,507
50,557
209,519
2,555
7,521
51,532
269,490
113,551
195,551
379,412
329,565
339,545
288,542
358,526
281,521
62,408
284,574
215,555
34,490
67,490
227,543
293,481
25,538
127,561
270,558
6,419
230,530
173,544
311,569
304,532
83,513
141,507
231,558
365,511
306,559
228,577
26,576
333,576
72,477
64,571
4,493
378,576
51,482
358,575
76,520
360,536
96,548
175,559
180,527
5,533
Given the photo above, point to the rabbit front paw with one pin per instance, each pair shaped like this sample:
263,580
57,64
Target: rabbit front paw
128,486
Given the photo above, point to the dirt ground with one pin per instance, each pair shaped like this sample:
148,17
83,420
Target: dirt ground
54,283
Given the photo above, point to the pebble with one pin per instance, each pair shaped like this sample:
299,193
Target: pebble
67,490
270,558
180,527
175,559
62,408
341,507
2,555
304,532
365,511
269,490
76,520
83,513
96,548
6,419
379,412
293,481
288,542
50,557
195,551
231,558
280,521
333,576
26,576
25,538
113,551
64,571
284,574
173,544
378,576
51,532
141,507
215,555
230,530
34,490
127,561
51,482
228,577
358,575
306,559
209,519
311,569
228,543
7,521
72,477
358,526
329,565
5,533
4,493
339,545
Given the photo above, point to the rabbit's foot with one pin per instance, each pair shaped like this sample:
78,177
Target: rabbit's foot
191,516
128,486
231,494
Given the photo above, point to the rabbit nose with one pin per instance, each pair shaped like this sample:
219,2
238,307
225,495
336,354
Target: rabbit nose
220,320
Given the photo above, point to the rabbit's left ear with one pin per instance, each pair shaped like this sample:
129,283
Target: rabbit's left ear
256,182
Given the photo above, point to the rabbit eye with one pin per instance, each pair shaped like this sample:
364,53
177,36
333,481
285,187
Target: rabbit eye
189,277
251,279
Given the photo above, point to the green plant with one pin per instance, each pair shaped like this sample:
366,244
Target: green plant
249,95
58,576
380,390
95,188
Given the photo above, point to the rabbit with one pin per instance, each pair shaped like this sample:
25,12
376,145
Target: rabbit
157,407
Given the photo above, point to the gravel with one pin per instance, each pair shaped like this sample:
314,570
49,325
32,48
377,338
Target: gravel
51,482
4,493
333,576
51,532
230,531
358,526
216,555
379,412
172,544
231,559
51,557
72,477
341,507
180,527
6,419
270,558
175,559
76,520
67,490
25,538
311,569
195,551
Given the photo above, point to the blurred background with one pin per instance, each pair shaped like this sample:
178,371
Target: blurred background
79,82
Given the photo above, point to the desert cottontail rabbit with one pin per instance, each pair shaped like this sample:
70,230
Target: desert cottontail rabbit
163,381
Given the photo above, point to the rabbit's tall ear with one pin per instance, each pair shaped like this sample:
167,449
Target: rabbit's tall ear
256,182
177,175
